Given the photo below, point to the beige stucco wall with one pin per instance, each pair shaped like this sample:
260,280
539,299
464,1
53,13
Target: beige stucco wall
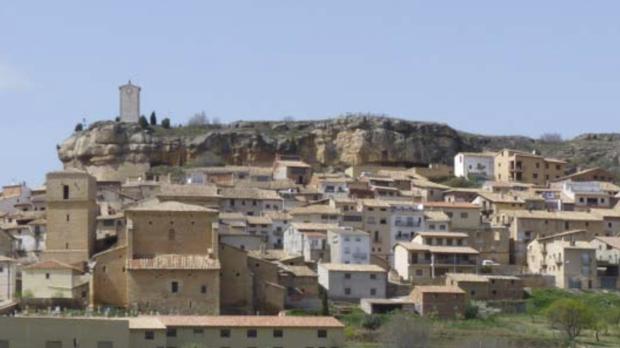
292,338
59,284
30,332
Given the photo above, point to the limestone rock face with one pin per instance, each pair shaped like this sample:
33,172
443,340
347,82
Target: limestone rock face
115,150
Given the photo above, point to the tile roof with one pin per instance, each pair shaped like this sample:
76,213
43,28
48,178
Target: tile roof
6,259
299,271
259,220
155,206
271,254
314,209
614,242
277,215
442,234
251,321
250,193
189,190
53,264
468,277
557,215
448,205
174,262
439,249
438,289
351,267
436,215
313,226
299,164
428,184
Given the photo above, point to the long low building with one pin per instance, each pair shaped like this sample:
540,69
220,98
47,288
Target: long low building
171,331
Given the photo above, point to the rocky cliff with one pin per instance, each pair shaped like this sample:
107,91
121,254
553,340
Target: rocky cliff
113,150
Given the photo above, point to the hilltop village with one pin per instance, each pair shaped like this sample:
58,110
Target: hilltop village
221,257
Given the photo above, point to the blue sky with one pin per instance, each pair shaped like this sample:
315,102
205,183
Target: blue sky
493,67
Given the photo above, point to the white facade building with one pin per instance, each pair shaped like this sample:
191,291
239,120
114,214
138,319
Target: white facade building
348,246
352,282
477,164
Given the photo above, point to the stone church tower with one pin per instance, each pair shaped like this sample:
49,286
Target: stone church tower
71,216
130,102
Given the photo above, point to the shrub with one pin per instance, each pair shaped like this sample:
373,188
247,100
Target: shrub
165,123
371,322
471,311
79,127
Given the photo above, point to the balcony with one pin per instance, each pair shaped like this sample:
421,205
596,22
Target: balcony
406,224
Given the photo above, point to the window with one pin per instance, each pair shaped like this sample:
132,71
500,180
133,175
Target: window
251,333
347,276
347,291
225,333
171,333
203,289
149,335
100,344
65,191
321,333
373,276
419,272
373,292
464,215
278,333
47,276
199,331
68,217
174,287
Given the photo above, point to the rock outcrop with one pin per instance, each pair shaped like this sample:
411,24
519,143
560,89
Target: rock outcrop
114,150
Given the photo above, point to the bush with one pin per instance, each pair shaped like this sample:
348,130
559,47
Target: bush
471,311
79,127
165,123
371,322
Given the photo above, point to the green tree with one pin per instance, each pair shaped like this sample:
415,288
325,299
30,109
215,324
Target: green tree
153,119
570,316
79,127
143,122
165,123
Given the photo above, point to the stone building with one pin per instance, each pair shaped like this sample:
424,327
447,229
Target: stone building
444,302
129,102
169,261
71,217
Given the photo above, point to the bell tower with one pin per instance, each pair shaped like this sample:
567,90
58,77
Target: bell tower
129,102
